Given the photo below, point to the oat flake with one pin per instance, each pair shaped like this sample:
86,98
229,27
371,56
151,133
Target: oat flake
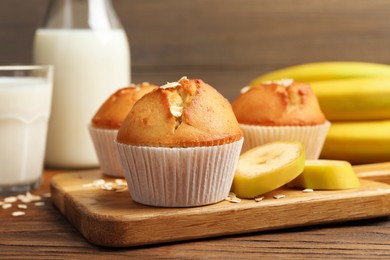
11,199
258,199
279,196
18,213
6,205
22,206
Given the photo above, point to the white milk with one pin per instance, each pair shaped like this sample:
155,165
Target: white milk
89,66
24,114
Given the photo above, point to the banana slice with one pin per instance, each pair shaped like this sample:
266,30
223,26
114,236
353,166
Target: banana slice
326,175
268,167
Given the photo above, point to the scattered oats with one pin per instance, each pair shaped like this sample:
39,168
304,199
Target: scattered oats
39,203
22,206
18,213
33,197
118,185
284,82
245,89
259,198
11,199
107,186
6,205
308,190
279,196
23,198
98,182
171,85
120,182
121,186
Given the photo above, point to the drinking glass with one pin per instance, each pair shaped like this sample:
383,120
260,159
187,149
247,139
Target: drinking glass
25,102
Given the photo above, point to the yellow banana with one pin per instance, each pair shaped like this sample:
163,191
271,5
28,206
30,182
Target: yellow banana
319,71
355,99
358,142
326,175
268,167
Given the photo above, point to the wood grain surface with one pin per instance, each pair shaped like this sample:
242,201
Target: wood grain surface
43,233
227,43
110,218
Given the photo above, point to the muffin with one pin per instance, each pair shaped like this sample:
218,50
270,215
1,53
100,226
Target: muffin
281,110
106,122
179,146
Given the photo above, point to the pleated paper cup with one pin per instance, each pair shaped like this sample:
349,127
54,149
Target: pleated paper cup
106,151
312,137
179,177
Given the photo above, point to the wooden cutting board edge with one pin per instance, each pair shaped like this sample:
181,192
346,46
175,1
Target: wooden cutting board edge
379,172
223,218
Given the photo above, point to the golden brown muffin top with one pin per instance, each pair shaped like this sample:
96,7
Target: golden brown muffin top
278,103
186,113
115,109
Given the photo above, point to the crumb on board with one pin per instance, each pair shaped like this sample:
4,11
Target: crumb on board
118,185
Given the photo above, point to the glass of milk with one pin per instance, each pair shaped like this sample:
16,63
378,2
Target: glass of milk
25,102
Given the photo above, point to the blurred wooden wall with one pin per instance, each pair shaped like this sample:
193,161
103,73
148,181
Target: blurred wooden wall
225,42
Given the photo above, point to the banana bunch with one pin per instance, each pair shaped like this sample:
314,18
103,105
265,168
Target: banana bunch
355,97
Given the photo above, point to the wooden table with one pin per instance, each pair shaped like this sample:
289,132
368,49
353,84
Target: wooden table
44,233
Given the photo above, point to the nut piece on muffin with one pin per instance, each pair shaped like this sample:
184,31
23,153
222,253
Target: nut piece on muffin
106,122
179,145
282,110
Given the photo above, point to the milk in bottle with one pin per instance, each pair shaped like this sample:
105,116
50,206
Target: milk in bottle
90,53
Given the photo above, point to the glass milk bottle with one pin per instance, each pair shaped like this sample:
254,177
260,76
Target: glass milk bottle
88,47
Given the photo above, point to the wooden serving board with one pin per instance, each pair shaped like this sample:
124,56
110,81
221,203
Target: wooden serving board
109,218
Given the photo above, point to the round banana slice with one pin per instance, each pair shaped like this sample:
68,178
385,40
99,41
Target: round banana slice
326,175
268,167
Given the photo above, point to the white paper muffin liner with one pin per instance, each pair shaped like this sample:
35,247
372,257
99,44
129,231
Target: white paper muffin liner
179,177
312,137
106,151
